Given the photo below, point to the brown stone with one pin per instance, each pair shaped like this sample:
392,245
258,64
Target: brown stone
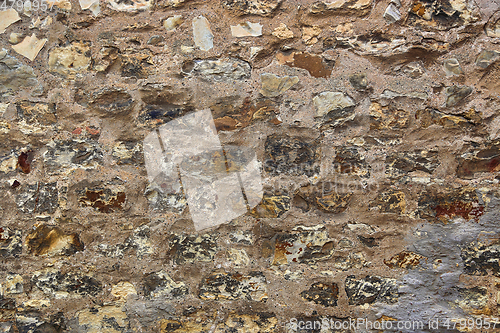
405,259
52,240
104,200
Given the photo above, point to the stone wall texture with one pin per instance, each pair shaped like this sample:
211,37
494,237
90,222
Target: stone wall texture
376,125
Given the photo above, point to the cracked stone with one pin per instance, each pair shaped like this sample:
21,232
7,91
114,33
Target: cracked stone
139,241
353,260
322,293
11,243
272,206
70,60
52,240
400,164
65,155
485,158
128,152
238,257
387,117
161,285
309,34
371,289
314,64
35,118
225,286
334,107
173,22
14,74
13,285
350,160
218,70
192,248
442,15
38,198
229,115
455,95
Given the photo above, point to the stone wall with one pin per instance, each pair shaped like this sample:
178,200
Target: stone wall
377,130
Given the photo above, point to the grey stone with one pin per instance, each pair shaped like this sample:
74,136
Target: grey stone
252,7
218,70
38,198
14,75
371,289
455,94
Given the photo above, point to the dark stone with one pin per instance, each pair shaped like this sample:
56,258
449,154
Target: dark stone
272,206
479,159
251,7
325,294
50,239
104,200
368,241
191,248
38,198
358,81
291,156
234,286
24,161
371,289
11,243
399,164
440,15
430,116
51,281
480,259
391,201
324,196
455,94
159,284
80,154
349,160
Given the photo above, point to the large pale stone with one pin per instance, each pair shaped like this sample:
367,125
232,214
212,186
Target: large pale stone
252,7
30,47
202,35
328,101
7,17
70,60
273,85
247,29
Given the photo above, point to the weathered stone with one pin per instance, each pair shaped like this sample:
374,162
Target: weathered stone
14,75
374,45
155,40
107,318
322,293
11,243
391,201
350,160
382,118
322,196
252,7
371,289
202,35
13,285
309,34
485,158
493,26
166,196
139,241
136,64
292,156
161,285
272,206
229,115
358,81
52,240
486,58
392,13
282,32
352,260
35,118
273,85
238,257
450,204
57,284
341,7
128,152
474,300
7,17
173,22
247,29
70,60
38,198
225,286
192,248
452,67
197,321
308,246
65,155
104,200
173,3
130,6
455,94
334,105
314,64
248,323
400,164
405,259
30,46
429,117
122,290
442,15
218,70
481,259
242,237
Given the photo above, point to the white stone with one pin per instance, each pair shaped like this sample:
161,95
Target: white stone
172,22
392,13
130,6
7,17
202,35
247,29
30,47
92,5
328,101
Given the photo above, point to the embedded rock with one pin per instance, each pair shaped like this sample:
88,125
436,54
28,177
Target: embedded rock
161,285
405,259
341,7
387,117
202,35
63,156
192,248
400,164
322,293
371,289
272,206
11,243
130,6
350,160
218,70
104,200
38,198
247,29
251,7
14,75
481,259
455,94
251,287
70,60
391,201
57,284
52,240
333,105
273,85
485,158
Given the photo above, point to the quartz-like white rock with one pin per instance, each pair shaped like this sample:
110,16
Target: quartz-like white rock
247,29
202,35
30,47
172,22
7,17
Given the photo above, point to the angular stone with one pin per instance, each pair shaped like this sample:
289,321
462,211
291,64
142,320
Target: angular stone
107,318
191,321
442,15
251,7
350,160
474,300
202,35
161,285
248,323
57,284
374,45
386,117
7,17
358,81
247,29
405,259
353,260
107,101
35,118
392,13
341,7
218,70
336,107
52,240
92,5
8,162
399,164
273,85
322,293
173,22
30,46
309,34
130,6
122,290
225,286
192,248
449,204
229,115
15,75
136,63
238,257
391,201
11,243
38,198
70,60
455,94
282,32
314,64
486,58
481,259
272,206
242,237
452,67
323,197
307,246
493,26
155,40
371,289
166,196
485,158
65,155
139,241
13,285
429,117
104,200
292,156
128,152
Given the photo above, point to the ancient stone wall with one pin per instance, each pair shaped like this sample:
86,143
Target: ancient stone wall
375,125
